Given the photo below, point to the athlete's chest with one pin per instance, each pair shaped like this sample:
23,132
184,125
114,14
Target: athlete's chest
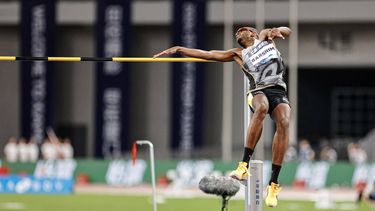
260,53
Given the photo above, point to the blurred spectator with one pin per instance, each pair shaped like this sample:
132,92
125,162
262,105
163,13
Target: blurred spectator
22,150
305,152
33,151
291,154
369,192
66,149
351,152
328,154
11,150
49,150
356,154
368,145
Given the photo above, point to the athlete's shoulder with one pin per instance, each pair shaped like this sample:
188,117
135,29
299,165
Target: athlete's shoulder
257,41
236,51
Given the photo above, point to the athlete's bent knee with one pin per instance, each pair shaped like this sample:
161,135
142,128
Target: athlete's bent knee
282,124
261,110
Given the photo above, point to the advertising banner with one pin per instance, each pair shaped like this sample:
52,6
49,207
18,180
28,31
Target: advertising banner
14,184
37,39
112,78
187,78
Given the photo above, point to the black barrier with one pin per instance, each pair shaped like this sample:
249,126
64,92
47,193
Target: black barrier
112,87
187,78
37,38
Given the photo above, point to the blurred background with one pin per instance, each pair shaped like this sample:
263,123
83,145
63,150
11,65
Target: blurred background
189,111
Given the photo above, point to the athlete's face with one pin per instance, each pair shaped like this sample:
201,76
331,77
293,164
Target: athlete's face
246,35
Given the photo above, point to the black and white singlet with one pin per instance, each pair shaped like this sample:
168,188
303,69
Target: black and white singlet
263,65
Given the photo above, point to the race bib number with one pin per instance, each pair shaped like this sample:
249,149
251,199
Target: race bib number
263,53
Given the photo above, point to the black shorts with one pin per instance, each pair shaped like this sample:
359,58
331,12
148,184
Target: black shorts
274,94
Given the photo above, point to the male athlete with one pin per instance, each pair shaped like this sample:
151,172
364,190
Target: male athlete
262,63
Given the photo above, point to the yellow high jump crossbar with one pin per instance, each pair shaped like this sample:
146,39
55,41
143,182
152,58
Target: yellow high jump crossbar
99,59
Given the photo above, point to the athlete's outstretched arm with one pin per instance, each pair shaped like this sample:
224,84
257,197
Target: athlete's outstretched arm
279,32
220,56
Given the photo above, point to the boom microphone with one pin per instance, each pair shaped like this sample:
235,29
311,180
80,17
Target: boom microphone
225,187
219,185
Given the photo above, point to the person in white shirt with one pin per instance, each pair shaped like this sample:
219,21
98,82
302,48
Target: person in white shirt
11,150
22,150
33,151
66,149
291,154
305,152
49,150
356,153
328,154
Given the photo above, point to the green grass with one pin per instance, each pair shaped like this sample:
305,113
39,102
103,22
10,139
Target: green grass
80,202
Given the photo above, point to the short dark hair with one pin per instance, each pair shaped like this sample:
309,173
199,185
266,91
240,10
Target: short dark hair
247,28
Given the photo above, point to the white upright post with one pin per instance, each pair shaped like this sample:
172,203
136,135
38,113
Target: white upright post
152,163
227,121
256,185
293,70
247,117
248,194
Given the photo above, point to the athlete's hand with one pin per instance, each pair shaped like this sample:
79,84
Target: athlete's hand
168,51
274,33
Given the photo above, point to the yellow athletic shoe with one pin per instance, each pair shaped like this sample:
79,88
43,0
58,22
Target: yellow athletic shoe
272,192
241,173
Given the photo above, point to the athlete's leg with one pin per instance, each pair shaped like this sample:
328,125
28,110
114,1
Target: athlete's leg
254,131
281,115
260,107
